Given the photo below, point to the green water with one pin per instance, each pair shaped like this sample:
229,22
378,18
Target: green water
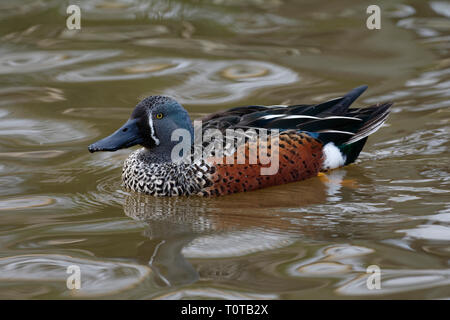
61,90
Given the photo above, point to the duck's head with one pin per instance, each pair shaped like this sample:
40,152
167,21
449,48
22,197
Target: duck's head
150,125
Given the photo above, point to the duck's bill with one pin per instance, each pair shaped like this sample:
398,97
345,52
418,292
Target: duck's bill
127,136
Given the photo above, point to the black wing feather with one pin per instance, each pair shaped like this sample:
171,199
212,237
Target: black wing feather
329,121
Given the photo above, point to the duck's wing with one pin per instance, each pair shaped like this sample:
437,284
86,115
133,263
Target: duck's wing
235,117
328,121
246,114
331,121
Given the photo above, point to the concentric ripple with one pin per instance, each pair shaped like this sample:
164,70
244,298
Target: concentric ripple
19,94
41,132
97,277
330,261
127,70
24,62
25,203
225,81
208,82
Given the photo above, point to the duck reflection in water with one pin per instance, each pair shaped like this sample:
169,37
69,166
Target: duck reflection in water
189,237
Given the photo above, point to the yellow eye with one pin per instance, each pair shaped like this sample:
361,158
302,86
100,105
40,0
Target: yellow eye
159,116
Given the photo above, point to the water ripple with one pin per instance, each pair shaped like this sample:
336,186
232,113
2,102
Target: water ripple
401,11
397,281
236,19
98,277
209,81
115,33
213,293
25,203
10,9
18,94
426,27
441,7
111,10
236,243
41,132
127,70
428,232
226,81
333,260
32,61
423,142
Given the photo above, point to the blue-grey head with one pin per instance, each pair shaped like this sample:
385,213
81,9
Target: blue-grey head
150,125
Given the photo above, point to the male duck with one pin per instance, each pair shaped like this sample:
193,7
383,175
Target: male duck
309,139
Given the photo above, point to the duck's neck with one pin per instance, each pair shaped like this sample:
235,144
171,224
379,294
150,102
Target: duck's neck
159,154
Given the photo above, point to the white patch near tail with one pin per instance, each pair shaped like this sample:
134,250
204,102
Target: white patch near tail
333,157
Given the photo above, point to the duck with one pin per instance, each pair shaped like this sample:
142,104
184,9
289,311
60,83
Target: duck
299,141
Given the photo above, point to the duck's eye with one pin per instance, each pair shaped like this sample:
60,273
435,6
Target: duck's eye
159,116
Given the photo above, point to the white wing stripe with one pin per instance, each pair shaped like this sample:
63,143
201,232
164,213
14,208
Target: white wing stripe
335,131
298,116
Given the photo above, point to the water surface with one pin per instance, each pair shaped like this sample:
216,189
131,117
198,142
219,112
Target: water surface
61,90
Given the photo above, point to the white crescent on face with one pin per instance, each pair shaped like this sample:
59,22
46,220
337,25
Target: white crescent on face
152,129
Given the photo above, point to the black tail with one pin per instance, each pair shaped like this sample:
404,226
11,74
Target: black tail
347,128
